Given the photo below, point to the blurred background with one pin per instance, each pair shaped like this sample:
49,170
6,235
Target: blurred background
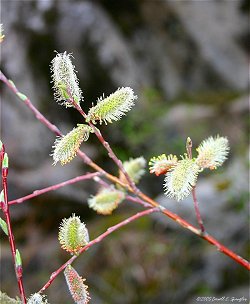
188,63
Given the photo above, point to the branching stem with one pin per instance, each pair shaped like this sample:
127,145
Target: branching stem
106,145
141,195
95,241
54,187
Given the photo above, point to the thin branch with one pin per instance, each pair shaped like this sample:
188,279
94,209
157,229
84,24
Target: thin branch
95,241
101,182
197,210
143,196
54,187
57,132
138,201
196,231
5,208
189,146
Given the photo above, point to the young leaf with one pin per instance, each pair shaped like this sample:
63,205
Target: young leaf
5,163
3,225
18,258
22,96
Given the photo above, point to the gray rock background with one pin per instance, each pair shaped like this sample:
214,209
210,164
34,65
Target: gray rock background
188,63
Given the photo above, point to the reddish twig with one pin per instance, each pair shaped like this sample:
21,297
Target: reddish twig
189,145
95,241
144,197
196,231
138,201
106,145
197,210
57,132
54,187
5,208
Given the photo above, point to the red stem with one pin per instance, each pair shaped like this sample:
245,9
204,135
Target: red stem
144,197
189,146
197,211
56,131
196,231
54,187
95,241
5,208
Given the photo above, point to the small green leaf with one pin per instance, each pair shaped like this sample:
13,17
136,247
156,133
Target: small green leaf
22,96
5,161
12,83
3,225
18,258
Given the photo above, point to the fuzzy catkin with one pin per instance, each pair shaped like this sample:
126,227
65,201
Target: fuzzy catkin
113,107
66,84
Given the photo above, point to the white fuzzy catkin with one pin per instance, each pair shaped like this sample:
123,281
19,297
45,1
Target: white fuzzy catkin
37,298
212,152
180,180
135,167
66,84
106,200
